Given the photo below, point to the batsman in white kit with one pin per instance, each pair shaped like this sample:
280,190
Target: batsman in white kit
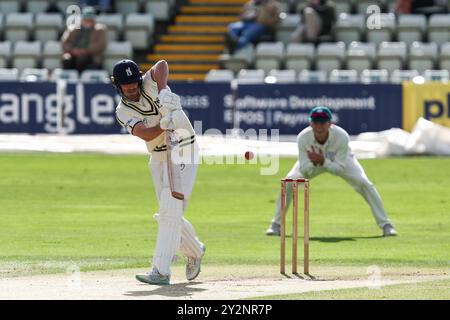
149,110
324,147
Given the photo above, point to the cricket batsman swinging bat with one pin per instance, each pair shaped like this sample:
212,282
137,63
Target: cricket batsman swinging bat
173,169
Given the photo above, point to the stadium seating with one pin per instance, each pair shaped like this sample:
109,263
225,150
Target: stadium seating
439,28
215,75
380,29
95,76
286,27
48,26
34,74
160,9
26,54
9,74
64,74
1,25
116,51
18,26
436,75
138,30
411,27
343,6
312,76
285,5
350,27
127,6
269,55
5,53
364,46
65,5
363,6
392,55
374,76
397,76
343,76
422,56
9,6
360,55
444,56
51,55
240,59
114,24
299,56
283,76
330,56
36,6
250,76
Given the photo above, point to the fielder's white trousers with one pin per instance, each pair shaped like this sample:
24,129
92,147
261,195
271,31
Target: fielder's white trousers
354,174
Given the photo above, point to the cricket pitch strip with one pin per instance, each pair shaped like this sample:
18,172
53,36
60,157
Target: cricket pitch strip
214,283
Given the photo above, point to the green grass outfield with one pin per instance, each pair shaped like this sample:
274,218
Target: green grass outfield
430,290
96,211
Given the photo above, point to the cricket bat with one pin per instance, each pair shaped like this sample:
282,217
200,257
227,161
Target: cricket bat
173,169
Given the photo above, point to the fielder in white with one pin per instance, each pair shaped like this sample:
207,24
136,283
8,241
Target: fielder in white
146,110
324,147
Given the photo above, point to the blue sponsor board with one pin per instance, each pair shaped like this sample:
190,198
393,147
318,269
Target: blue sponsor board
35,108
32,107
357,107
28,107
204,104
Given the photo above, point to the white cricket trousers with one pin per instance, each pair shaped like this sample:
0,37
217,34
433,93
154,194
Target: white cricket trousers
354,174
189,244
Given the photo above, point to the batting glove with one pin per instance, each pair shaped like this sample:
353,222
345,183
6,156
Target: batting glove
169,100
166,122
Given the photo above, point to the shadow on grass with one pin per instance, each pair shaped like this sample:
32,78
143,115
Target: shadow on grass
173,290
341,239
304,276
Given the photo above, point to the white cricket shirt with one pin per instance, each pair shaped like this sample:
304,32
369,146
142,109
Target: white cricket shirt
146,110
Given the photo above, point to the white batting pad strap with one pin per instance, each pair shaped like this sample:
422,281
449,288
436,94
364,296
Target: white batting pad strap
190,245
169,231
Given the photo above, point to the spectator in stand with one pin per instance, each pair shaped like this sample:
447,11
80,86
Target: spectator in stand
426,7
318,19
83,48
258,17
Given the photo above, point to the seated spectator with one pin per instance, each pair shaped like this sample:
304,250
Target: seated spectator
318,19
83,48
258,17
426,7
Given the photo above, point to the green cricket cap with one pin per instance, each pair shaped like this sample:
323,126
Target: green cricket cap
320,114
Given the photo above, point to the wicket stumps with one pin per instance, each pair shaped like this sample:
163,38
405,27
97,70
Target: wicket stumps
294,185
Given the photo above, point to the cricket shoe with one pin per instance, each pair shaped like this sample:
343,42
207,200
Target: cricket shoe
389,230
193,265
274,230
153,277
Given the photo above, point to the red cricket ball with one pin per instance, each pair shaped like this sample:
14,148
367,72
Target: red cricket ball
249,155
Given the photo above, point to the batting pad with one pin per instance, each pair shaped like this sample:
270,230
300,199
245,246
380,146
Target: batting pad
190,245
169,231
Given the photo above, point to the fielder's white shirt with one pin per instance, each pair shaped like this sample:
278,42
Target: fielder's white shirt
146,110
336,150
